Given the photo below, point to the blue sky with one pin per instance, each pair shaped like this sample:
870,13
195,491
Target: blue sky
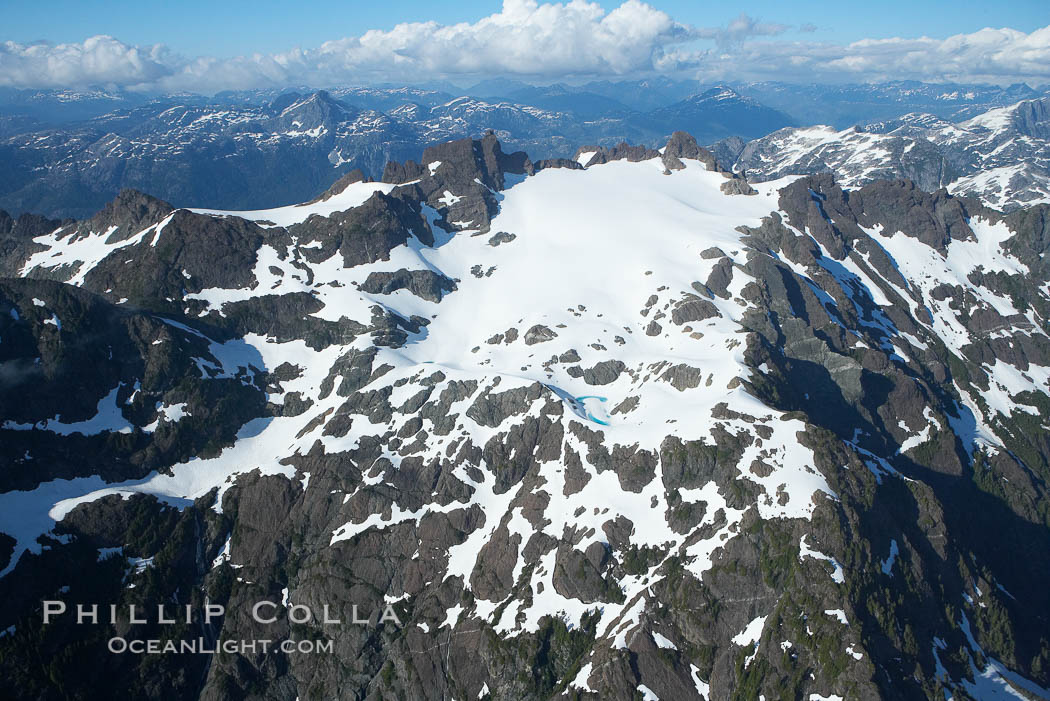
229,44
226,28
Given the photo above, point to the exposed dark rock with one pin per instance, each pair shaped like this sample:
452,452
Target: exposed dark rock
569,163
683,145
720,278
214,252
426,284
130,212
569,356
621,152
367,233
693,309
16,239
683,377
738,186
501,237
539,334
603,373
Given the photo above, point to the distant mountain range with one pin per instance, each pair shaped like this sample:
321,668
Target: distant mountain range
230,153
66,153
844,106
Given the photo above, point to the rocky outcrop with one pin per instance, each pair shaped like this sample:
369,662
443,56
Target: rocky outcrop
365,234
682,145
460,179
16,239
128,214
83,380
620,152
426,284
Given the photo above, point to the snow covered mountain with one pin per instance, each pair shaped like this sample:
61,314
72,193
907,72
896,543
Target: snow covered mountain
1001,156
596,428
721,112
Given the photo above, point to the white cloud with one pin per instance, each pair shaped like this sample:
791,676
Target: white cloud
988,55
542,41
98,60
739,29
524,38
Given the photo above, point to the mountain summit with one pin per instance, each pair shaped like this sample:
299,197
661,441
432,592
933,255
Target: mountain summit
721,112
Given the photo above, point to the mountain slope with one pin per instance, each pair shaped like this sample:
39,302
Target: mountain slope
718,113
1002,155
855,156
591,432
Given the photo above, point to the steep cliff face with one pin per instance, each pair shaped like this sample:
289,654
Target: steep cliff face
620,426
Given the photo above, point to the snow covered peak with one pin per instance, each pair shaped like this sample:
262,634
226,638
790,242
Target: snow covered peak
720,92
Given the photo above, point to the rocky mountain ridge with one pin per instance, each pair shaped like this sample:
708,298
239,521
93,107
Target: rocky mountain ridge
616,426
1001,156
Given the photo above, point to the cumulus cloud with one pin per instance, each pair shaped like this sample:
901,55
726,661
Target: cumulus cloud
525,38
988,55
98,60
574,39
